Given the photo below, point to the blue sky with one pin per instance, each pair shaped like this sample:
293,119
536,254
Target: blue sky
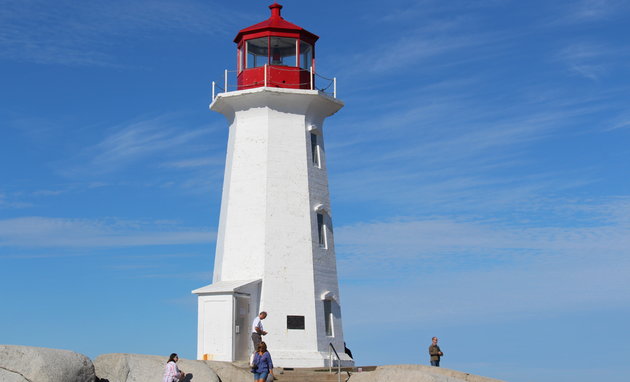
479,176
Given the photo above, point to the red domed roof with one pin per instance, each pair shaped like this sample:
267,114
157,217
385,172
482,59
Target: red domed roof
276,23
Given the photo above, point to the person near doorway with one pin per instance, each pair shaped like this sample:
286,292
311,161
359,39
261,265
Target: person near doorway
257,329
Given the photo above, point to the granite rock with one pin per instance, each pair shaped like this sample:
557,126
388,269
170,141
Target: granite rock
33,364
119,367
416,373
229,372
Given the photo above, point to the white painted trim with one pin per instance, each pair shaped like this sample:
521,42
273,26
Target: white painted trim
323,209
328,295
314,129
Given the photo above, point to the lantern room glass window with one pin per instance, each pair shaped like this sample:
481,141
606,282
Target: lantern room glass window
257,52
283,51
306,55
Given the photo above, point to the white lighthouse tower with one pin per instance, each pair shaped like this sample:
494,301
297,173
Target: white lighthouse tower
275,247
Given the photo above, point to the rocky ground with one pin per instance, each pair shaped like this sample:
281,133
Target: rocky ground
32,364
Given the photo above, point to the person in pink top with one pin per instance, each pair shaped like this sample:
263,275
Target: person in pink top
171,371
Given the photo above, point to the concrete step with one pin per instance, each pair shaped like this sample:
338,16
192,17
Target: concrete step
311,376
316,374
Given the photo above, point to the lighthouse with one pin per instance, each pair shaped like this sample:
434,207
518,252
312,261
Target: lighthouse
275,249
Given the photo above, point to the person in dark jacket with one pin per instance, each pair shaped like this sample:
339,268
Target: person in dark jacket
263,365
435,352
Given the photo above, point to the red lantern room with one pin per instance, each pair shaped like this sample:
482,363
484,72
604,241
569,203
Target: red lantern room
275,53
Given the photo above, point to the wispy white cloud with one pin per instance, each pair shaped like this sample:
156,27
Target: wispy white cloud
596,228
168,146
48,192
421,46
589,11
454,265
163,138
425,11
430,35
82,33
157,270
621,123
195,162
200,276
43,232
139,140
457,152
7,202
488,296
588,59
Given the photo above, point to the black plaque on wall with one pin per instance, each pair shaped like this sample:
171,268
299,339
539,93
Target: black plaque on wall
295,322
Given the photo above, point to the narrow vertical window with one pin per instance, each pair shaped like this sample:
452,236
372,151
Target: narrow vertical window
321,230
315,150
328,319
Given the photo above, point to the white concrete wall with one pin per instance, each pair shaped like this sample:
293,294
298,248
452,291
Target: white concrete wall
324,259
243,206
268,225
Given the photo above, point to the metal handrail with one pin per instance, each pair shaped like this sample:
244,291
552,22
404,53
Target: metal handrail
331,349
267,68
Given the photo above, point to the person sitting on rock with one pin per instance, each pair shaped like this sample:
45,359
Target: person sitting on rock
171,371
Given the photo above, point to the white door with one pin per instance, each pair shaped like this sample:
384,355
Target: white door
217,328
